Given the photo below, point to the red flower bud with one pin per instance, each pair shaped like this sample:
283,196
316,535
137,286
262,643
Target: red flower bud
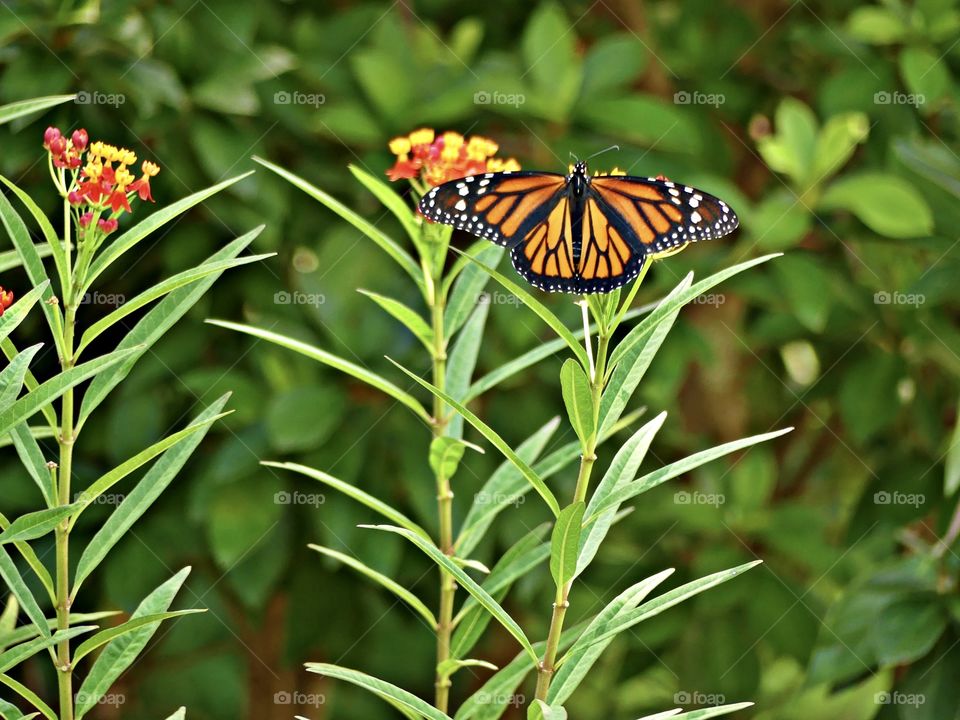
57,146
75,198
108,226
6,299
86,218
49,135
80,139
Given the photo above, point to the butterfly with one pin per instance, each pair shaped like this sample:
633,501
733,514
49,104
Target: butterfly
576,233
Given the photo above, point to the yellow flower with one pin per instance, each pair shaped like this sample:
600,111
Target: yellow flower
150,169
400,146
123,177
423,136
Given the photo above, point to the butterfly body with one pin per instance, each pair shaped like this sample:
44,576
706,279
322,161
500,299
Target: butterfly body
576,233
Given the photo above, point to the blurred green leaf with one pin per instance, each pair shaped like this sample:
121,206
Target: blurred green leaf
885,203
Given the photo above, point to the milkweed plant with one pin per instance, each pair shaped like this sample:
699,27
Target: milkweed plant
100,187
596,381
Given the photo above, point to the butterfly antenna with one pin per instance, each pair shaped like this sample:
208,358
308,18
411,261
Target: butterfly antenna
600,152
574,157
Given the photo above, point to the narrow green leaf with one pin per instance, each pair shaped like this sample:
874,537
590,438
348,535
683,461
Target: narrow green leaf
386,243
463,361
390,200
180,714
14,110
338,363
39,569
578,399
128,240
31,457
15,314
407,317
32,525
159,290
18,588
54,244
379,687
105,636
540,310
10,259
18,653
467,583
468,281
152,326
28,695
701,714
139,500
356,493
494,439
28,632
30,382
446,453
539,710
12,377
449,666
121,652
564,543
951,470
9,711
396,588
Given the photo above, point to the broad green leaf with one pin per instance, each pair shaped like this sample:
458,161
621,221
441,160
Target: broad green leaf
386,243
621,472
55,387
578,663
540,310
494,439
578,399
31,526
18,588
14,110
551,61
466,582
105,636
467,292
393,586
356,493
54,243
12,377
876,25
407,317
390,200
15,314
28,695
564,542
379,687
702,714
667,472
539,710
909,629
790,150
925,74
656,606
886,203
338,363
128,240
837,142
462,361
138,500
155,323
678,298
18,653
122,651
164,288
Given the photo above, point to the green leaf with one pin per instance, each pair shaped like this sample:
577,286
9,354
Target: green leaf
540,310
401,592
910,627
122,651
407,317
462,361
837,142
379,687
564,542
18,653
451,665
887,204
18,588
338,363
39,569
53,245
701,714
28,632
579,661
10,259
494,440
129,239
164,288
791,149
539,710
28,695
390,199
55,387
18,109
387,244
12,377
138,500
668,472
925,74
31,526
551,61
445,455
180,714
951,470
134,623
155,323
467,583
621,472
356,493
15,314
468,281
876,25
578,399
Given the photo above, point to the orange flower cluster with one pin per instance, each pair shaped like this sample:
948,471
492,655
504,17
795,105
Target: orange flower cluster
6,300
437,159
104,182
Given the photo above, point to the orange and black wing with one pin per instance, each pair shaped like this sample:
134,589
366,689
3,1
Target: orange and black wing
546,254
658,216
500,207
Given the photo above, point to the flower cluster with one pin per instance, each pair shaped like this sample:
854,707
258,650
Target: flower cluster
6,300
103,183
437,159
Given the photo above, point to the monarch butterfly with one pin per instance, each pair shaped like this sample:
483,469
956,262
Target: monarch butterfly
575,233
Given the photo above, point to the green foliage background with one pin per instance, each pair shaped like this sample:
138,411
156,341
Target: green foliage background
830,127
